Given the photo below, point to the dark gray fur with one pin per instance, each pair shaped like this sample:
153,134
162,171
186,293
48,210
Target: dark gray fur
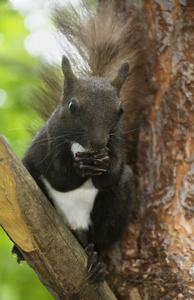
95,125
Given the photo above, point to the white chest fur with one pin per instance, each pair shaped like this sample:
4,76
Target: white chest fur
75,206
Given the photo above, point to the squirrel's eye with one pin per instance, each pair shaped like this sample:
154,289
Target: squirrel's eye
120,112
72,107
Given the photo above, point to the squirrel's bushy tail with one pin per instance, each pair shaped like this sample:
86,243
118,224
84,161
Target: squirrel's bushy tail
105,37
99,39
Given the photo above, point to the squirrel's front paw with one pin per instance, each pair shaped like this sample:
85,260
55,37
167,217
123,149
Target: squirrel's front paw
91,163
101,159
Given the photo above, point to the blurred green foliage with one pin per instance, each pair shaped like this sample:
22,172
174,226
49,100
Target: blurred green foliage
17,76
18,282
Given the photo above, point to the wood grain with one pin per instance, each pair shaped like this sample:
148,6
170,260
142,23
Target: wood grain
46,243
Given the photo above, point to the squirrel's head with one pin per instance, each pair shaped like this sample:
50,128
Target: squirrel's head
91,110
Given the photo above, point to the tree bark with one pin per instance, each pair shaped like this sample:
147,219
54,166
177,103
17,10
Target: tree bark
45,242
156,257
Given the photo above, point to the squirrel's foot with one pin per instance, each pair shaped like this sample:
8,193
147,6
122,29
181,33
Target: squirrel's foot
18,253
91,164
97,272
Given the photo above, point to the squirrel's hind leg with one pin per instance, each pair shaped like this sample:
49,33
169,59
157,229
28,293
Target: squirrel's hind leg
16,251
97,272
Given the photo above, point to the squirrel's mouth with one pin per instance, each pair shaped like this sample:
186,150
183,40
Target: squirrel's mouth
90,151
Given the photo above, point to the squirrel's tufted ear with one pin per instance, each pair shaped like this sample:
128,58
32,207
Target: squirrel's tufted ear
121,76
69,77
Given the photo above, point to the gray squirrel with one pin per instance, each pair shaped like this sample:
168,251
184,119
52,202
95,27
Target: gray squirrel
78,157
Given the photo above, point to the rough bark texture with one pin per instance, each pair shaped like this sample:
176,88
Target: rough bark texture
46,243
156,257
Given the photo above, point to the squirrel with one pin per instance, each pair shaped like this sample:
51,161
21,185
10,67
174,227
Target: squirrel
79,157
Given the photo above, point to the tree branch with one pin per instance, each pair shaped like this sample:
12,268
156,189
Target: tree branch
46,243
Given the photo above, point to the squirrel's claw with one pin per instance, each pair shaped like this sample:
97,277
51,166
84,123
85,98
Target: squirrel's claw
97,272
87,170
91,164
101,161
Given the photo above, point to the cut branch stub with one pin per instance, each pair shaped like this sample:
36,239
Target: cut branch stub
46,243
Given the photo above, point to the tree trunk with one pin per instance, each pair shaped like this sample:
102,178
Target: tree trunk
155,260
